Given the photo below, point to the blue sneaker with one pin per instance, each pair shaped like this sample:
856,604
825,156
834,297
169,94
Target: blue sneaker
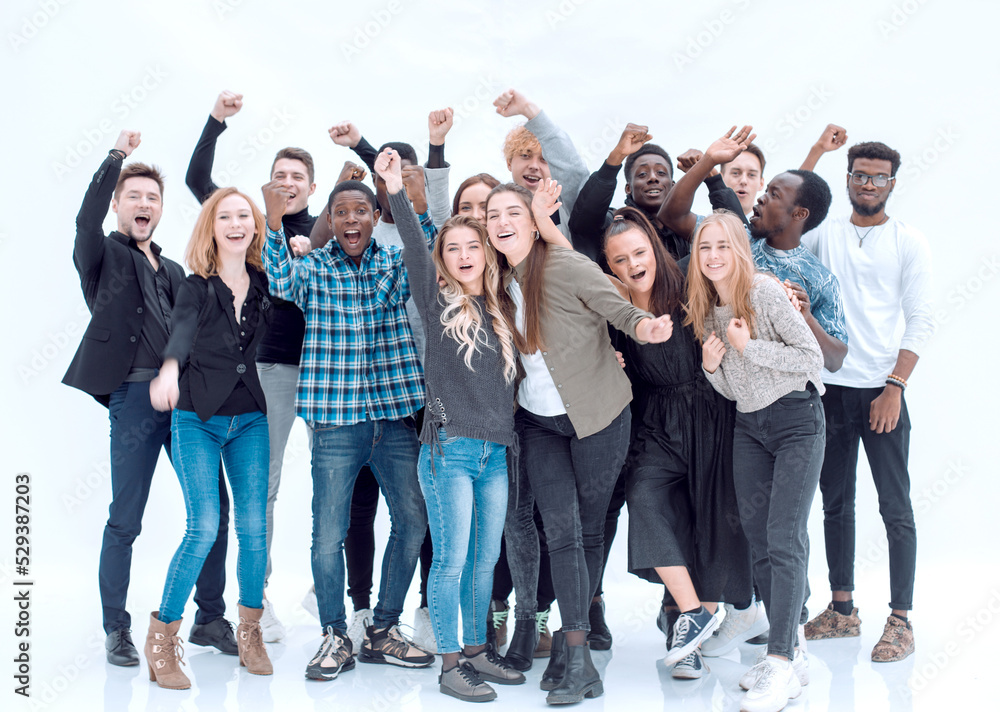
689,630
690,668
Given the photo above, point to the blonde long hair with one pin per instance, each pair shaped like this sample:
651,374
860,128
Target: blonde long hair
461,318
701,292
202,256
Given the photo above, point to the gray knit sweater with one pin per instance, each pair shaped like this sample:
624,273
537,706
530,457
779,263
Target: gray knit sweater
783,356
467,403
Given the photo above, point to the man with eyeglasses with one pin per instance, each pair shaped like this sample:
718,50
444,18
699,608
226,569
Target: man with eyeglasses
884,268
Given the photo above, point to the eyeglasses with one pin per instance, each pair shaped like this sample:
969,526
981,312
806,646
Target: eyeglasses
879,181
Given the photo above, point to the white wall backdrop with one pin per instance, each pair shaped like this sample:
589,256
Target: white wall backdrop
919,75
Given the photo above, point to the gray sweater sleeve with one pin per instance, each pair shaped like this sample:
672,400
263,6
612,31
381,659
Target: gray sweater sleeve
565,163
420,270
436,181
798,351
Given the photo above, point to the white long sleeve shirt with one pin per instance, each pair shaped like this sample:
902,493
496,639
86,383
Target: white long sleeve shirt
886,287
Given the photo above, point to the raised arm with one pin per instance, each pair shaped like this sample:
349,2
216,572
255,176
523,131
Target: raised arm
288,278
832,138
675,213
589,218
88,247
557,149
422,275
544,202
199,172
347,134
436,171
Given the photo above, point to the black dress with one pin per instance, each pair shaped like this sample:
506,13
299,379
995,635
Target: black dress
681,500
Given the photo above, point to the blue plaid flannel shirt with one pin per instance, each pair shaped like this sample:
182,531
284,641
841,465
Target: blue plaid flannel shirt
359,361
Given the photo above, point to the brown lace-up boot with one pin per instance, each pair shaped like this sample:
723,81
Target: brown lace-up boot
250,642
165,654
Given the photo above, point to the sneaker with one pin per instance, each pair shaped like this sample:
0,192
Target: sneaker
310,603
333,657
423,630
800,663
896,642
690,668
830,624
689,630
270,626
544,647
493,668
776,684
387,646
359,624
499,610
464,683
737,627
665,620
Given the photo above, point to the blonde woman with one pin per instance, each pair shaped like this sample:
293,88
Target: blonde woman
210,381
469,368
758,351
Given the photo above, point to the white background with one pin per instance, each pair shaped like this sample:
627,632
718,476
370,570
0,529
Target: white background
919,76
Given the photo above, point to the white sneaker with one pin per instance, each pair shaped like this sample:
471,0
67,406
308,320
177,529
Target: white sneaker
423,631
310,603
800,664
776,684
270,627
356,630
737,627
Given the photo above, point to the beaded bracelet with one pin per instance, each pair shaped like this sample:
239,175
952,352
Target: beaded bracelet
891,381
898,378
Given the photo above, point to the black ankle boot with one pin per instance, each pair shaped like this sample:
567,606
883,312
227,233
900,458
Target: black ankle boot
522,644
580,680
599,636
491,635
557,663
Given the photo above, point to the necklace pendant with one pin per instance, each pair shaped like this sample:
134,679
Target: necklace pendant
860,241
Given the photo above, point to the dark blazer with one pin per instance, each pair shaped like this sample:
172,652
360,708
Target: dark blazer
110,272
214,352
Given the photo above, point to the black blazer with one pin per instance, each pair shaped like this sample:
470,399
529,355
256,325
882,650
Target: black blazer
110,272
215,353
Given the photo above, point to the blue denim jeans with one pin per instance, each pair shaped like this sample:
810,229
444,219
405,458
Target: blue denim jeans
572,480
777,456
466,495
243,444
138,432
390,447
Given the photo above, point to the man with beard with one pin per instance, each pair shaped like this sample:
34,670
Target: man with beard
130,289
886,264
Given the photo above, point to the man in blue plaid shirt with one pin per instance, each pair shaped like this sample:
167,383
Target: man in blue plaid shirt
360,383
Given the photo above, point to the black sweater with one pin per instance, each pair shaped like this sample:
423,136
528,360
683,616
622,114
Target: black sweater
283,341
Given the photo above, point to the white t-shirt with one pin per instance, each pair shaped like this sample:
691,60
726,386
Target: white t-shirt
886,287
537,393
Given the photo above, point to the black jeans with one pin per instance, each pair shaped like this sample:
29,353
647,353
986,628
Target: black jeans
138,431
572,480
847,411
777,456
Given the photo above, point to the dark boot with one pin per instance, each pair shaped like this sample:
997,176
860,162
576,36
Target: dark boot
580,680
522,644
557,663
599,636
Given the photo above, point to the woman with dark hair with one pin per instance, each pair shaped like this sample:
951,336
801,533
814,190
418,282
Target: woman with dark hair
209,379
573,419
684,526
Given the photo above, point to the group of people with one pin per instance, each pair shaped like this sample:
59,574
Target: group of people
509,368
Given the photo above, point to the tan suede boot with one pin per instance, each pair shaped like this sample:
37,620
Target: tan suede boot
165,654
253,654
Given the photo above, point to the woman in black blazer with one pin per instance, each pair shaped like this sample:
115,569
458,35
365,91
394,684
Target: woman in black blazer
210,380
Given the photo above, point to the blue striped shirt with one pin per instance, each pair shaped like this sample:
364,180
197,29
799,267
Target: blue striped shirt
359,361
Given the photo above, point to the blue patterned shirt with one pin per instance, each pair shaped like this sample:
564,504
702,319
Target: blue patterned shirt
803,267
359,361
